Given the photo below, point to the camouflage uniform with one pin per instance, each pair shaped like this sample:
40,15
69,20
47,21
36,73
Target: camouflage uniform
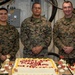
64,35
9,40
35,32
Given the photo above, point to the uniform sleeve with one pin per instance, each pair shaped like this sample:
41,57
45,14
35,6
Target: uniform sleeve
24,35
0,54
48,35
74,44
74,39
56,38
0,51
15,44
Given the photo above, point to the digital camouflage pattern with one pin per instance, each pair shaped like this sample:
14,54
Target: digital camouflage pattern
35,32
64,35
9,40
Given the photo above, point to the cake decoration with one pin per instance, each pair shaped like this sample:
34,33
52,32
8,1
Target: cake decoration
34,66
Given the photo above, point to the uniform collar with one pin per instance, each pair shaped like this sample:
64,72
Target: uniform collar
4,25
35,20
67,21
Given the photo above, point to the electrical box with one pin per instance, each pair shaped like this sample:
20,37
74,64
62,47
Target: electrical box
14,17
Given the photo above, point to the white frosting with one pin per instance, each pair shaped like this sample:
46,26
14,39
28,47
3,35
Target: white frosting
34,67
7,60
63,61
2,69
64,64
61,70
65,68
9,67
6,65
73,71
59,66
5,72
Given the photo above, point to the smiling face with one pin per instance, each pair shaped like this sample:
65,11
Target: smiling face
36,9
67,9
3,15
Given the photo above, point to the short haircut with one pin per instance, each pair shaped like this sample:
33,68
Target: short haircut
68,2
34,4
4,9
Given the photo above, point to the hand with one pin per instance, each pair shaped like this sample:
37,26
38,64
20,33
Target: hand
3,57
37,49
68,49
34,50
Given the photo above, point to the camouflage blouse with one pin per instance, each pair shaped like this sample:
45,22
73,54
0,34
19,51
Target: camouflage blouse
64,34
35,32
9,40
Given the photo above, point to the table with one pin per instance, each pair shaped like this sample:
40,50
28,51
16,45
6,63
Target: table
67,72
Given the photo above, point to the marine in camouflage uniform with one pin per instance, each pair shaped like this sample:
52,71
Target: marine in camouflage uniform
64,34
35,32
9,38
9,41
